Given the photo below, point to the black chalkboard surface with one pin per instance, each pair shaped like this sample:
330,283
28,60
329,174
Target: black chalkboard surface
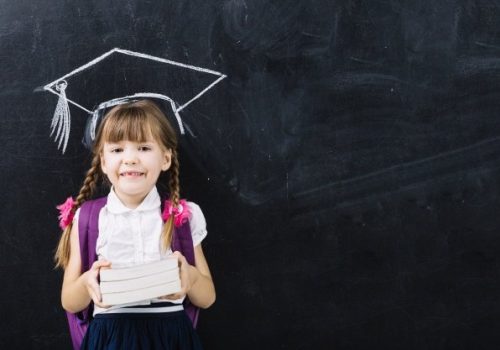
348,167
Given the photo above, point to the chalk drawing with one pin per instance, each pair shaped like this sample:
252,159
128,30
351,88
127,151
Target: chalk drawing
61,120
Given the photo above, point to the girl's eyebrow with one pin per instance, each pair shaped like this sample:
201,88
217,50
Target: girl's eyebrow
119,143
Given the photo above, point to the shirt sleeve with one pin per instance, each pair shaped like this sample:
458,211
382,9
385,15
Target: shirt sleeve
76,216
197,224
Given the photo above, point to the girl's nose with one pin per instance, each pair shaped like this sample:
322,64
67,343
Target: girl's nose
130,157
130,161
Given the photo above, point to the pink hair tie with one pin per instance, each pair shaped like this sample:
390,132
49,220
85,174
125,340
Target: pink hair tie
66,213
181,213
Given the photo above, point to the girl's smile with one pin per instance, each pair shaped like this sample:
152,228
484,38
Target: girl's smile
131,174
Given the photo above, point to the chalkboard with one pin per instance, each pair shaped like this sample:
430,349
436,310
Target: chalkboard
348,166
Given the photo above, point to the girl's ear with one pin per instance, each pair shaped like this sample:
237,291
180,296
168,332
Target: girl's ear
167,160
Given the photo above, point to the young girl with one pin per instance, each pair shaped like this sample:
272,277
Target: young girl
134,144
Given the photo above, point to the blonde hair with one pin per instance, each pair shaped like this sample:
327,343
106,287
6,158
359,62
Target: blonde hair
133,121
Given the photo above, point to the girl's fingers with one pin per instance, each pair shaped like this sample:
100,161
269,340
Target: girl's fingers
183,272
173,296
94,290
182,292
104,306
93,287
95,297
100,263
180,257
169,297
95,294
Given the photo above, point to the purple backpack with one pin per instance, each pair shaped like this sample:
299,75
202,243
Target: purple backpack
88,220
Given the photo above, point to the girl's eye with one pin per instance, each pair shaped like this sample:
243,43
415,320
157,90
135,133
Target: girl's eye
144,148
116,150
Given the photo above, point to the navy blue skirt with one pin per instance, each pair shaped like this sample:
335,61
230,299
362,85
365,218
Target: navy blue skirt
167,330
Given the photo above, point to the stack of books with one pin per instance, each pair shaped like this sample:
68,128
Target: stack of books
140,282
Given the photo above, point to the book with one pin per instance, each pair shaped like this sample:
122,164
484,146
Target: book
125,273
123,285
140,282
137,295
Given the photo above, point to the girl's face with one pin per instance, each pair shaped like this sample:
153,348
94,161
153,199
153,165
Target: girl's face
133,168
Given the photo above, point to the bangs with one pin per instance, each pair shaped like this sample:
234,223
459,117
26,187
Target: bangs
130,124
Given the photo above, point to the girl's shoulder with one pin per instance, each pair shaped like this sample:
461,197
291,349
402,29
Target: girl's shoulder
194,207
196,214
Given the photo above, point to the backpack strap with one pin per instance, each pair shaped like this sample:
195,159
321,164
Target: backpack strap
88,227
182,241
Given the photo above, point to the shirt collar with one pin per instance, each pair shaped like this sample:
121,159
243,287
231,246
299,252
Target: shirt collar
151,202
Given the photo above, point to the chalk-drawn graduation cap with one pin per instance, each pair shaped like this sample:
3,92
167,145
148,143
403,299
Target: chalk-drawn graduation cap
119,76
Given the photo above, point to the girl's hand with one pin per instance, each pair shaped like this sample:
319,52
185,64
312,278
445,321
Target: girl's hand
91,283
184,275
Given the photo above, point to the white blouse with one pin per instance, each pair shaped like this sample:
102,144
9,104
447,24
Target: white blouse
132,236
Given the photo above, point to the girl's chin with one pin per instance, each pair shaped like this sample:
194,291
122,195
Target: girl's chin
132,191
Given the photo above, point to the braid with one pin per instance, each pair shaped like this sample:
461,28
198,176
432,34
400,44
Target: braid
63,248
174,179
174,187
90,182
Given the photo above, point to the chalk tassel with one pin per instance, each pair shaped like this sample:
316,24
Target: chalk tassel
62,118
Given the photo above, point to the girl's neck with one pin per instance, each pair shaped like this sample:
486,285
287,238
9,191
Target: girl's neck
130,202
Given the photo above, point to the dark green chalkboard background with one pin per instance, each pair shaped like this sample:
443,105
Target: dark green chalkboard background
348,166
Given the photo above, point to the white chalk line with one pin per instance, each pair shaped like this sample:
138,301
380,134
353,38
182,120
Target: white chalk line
164,60
48,87
201,93
120,100
79,69
62,122
70,101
